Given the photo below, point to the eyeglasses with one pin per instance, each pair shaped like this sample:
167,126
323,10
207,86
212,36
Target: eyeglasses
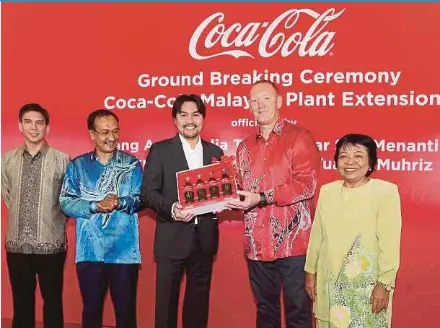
106,134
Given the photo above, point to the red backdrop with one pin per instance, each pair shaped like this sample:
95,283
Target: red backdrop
71,57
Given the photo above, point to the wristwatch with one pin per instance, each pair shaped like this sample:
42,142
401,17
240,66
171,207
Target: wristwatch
263,200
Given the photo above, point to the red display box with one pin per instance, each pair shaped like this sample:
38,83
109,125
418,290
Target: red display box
209,188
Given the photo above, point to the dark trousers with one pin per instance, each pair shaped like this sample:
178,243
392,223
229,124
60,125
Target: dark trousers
23,272
198,268
95,278
267,279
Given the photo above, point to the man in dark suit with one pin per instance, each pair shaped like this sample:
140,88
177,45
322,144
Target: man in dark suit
182,241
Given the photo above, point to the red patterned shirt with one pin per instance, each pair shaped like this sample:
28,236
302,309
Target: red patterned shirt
285,167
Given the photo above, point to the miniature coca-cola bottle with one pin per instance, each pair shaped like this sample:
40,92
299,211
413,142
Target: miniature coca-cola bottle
201,189
226,183
213,187
188,191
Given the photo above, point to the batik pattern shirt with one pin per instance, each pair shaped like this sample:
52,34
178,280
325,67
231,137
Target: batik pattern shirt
285,167
31,188
104,237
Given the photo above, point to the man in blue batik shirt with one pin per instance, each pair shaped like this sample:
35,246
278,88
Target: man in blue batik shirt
101,191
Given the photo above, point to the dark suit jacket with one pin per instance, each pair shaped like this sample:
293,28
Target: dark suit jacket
159,191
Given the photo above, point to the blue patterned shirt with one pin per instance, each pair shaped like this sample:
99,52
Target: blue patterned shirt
104,237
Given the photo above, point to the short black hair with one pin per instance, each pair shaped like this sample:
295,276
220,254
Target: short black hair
359,139
33,107
98,114
177,106
267,82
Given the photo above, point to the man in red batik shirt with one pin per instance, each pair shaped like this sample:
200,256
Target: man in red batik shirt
278,171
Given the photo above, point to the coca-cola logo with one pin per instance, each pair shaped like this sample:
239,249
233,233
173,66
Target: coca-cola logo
315,41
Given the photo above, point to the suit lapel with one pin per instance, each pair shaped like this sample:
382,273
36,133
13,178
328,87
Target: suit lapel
207,158
179,155
179,158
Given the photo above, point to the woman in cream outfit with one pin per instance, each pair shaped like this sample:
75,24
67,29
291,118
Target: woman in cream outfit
354,247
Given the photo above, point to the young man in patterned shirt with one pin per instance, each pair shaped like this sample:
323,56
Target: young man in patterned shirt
32,175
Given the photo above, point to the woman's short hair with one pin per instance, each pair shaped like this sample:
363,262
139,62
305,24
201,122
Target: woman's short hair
359,139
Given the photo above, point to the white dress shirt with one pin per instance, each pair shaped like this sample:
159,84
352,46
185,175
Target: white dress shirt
194,158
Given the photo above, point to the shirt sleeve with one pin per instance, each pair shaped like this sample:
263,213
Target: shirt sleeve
389,225
71,201
65,163
5,184
130,203
305,168
238,177
315,242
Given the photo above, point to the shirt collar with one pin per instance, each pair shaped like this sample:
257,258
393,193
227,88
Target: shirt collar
186,144
93,156
43,150
277,128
